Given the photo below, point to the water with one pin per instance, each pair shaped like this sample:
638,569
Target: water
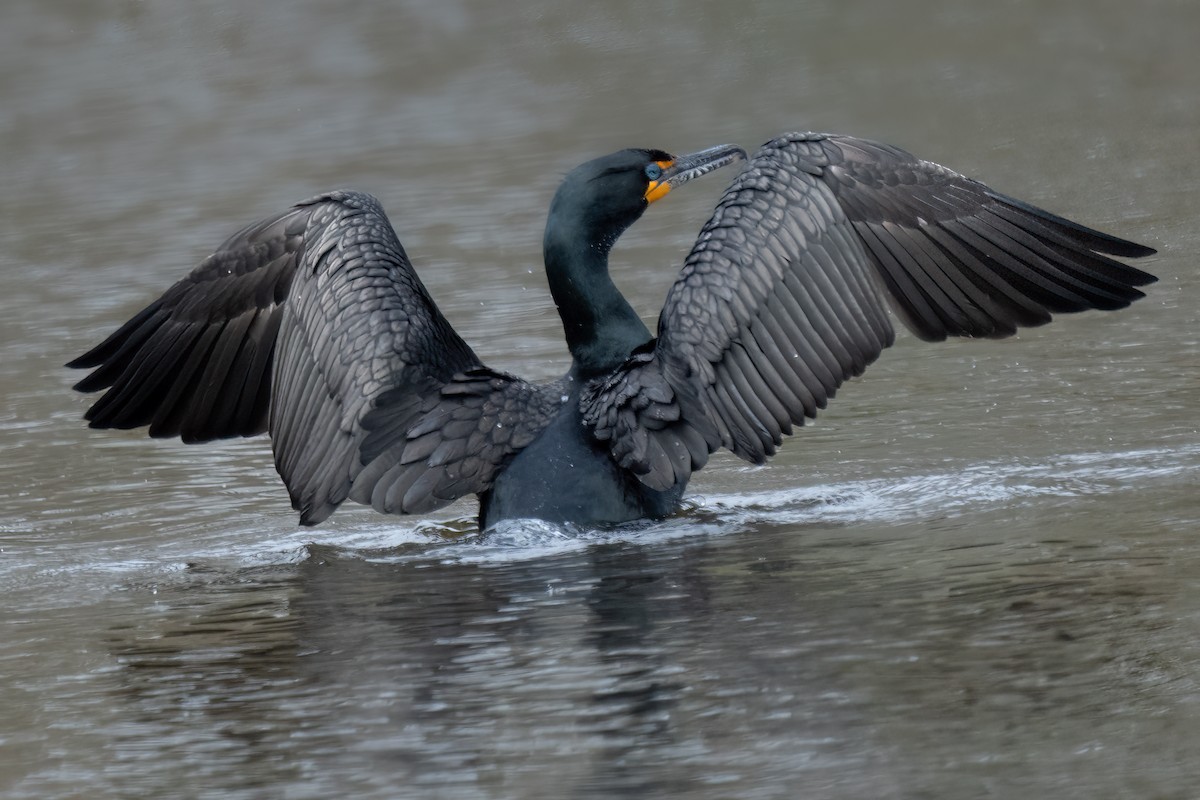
974,577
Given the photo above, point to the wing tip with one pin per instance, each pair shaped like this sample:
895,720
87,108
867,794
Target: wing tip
313,515
85,361
1096,240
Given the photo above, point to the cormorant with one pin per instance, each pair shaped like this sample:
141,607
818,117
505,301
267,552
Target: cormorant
312,325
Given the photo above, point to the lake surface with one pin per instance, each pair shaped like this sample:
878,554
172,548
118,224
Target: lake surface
978,575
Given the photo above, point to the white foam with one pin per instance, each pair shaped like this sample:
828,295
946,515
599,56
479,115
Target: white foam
958,491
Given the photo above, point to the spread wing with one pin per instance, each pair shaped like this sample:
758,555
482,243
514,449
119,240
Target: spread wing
299,324
784,295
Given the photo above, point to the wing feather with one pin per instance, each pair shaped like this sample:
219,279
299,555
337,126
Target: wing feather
150,364
769,337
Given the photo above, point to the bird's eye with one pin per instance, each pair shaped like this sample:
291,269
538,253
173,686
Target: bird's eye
653,171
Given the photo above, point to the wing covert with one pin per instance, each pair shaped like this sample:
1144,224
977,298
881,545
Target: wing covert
423,452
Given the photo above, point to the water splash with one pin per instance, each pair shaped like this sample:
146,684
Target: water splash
958,491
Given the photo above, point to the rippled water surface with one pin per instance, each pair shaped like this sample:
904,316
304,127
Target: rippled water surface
976,576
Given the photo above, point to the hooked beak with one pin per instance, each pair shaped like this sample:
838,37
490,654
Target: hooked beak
683,168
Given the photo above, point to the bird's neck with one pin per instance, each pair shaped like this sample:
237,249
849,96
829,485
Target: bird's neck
601,327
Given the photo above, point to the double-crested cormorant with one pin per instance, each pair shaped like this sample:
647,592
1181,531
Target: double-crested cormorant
312,325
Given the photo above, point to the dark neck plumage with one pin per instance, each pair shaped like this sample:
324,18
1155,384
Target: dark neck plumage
601,327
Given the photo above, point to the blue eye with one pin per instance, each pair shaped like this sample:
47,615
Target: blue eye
653,171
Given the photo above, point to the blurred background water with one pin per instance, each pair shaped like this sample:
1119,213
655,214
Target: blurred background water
974,577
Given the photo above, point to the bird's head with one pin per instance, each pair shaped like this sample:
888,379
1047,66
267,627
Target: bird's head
599,199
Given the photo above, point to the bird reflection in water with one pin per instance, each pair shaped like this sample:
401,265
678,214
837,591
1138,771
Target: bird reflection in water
401,673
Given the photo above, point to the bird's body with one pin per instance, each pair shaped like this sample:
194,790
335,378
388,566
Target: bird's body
566,476
313,325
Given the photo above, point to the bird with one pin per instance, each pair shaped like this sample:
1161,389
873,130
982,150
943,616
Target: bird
312,325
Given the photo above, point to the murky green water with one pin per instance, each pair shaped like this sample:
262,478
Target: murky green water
977,576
